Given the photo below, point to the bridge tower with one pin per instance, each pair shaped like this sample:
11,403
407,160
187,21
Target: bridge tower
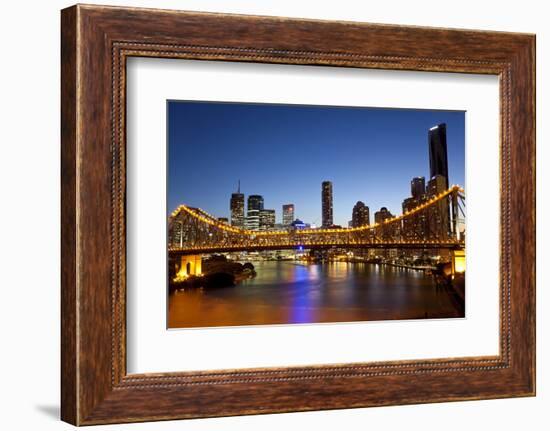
454,214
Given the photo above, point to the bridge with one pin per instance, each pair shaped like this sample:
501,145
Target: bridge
433,224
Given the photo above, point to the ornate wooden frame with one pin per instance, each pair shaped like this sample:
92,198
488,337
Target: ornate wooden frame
95,43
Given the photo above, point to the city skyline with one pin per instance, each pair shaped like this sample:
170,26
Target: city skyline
401,148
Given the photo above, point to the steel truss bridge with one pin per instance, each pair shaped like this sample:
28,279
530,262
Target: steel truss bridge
433,224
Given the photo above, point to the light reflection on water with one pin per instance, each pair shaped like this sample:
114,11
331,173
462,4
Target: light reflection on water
289,292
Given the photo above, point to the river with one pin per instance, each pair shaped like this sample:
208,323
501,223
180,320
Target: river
286,292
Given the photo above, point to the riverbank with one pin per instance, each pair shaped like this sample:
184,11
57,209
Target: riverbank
405,266
217,272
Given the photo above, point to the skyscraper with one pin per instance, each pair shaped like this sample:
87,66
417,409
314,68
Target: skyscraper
175,231
255,205
255,202
383,214
409,223
267,219
418,187
439,221
326,204
386,232
288,214
438,152
414,226
360,215
236,206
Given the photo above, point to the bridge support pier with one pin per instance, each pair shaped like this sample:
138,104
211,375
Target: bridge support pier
458,262
190,265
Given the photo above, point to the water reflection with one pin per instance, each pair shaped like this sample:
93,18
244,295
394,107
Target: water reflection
289,292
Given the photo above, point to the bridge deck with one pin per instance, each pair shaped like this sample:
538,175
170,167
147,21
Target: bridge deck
295,246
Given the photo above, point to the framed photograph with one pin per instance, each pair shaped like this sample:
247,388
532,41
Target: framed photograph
318,257
331,214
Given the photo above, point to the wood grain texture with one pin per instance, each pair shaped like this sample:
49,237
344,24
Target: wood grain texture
96,41
69,367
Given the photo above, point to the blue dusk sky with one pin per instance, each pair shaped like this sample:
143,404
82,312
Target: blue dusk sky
285,152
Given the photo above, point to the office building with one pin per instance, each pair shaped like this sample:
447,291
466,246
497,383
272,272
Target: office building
326,204
237,210
255,202
414,226
175,231
267,219
236,207
438,213
385,232
254,205
360,215
288,214
383,214
418,187
438,153
411,227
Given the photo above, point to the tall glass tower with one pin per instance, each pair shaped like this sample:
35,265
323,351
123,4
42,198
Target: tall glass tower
255,205
438,152
326,204
236,206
